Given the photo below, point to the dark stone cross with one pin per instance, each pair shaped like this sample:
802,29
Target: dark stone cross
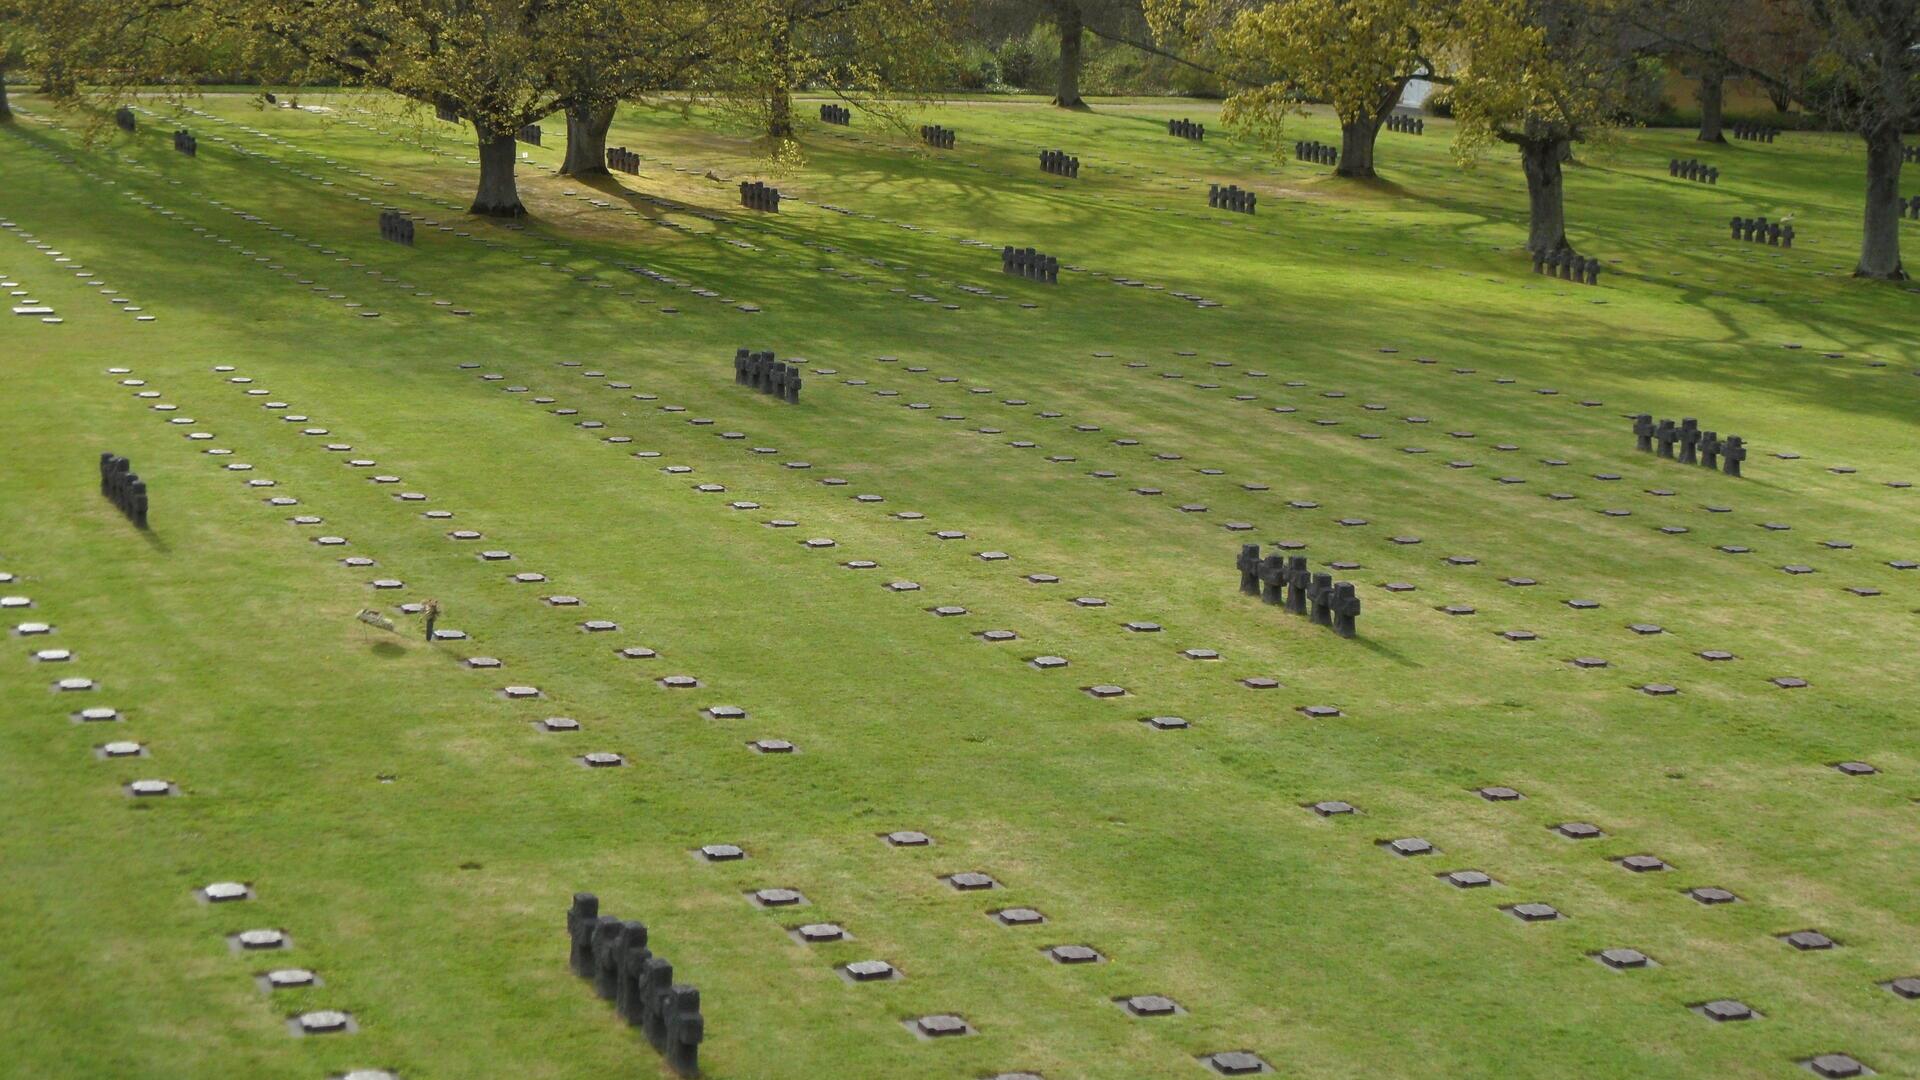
581,918
631,955
1665,435
1709,449
685,1029
1734,452
1299,581
1249,565
1273,576
1689,440
605,940
1346,608
1320,592
1643,432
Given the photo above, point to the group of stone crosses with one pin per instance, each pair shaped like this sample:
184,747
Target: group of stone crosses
1910,207
1282,579
1232,198
1030,264
445,112
1059,164
1691,169
184,142
755,195
1406,125
1562,263
1910,154
123,118
760,371
836,114
1186,129
529,134
397,227
1318,153
124,488
613,953
1703,448
1755,132
1759,230
621,159
936,136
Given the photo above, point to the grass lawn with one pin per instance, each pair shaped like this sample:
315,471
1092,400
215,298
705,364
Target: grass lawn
1382,368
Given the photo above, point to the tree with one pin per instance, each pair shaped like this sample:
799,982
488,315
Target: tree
655,45
1542,75
856,49
9,57
1357,55
1070,19
499,64
1868,82
85,53
1719,39
1855,63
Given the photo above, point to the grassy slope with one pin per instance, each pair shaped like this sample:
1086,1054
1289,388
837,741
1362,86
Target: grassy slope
1183,856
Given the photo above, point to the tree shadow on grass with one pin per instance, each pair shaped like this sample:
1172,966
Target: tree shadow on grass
386,649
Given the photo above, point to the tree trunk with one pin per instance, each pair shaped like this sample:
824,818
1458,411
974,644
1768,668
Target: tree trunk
587,140
780,98
1067,90
1356,148
1880,247
498,196
1712,96
1780,98
1546,194
1359,135
6,111
780,113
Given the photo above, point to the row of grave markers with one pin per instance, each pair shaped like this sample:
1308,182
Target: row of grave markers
1760,230
184,142
1317,153
1406,125
938,137
756,195
1564,264
396,226
1030,264
1232,198
1697,447
762,372
1287,580
1186,129
613,954
621,159
124,488
1755,132
1059,164
836,114
1692,169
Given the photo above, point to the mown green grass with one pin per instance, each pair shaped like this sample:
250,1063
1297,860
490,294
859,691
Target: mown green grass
1184,857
